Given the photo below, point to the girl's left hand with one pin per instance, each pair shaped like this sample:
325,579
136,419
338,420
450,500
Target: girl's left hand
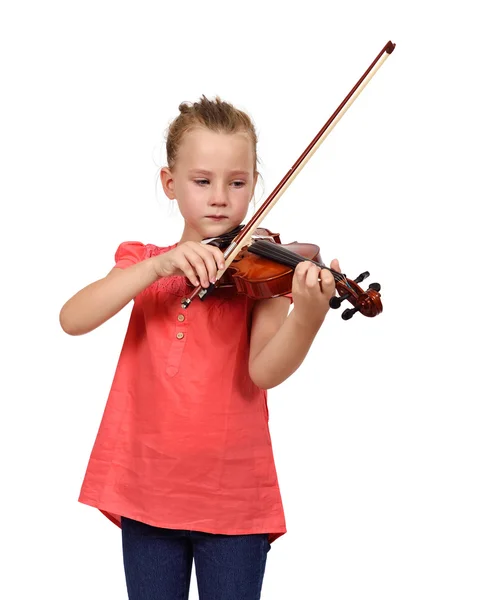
312,289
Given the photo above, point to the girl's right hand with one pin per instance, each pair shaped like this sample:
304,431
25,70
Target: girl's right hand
198,262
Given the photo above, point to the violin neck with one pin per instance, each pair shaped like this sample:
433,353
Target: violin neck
284,256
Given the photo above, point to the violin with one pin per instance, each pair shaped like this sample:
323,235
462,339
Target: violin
265,269
259,265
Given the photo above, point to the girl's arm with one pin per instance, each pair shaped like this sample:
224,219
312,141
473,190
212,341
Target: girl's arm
99,301
280,342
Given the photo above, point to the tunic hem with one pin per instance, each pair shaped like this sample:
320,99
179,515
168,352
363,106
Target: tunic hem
115,519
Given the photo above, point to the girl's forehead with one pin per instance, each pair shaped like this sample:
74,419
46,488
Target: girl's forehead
202,144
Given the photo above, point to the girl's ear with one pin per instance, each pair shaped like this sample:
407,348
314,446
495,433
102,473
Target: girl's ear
166,177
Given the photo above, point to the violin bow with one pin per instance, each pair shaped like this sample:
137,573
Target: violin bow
243,238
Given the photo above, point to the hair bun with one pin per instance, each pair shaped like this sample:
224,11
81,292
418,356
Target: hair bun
185,107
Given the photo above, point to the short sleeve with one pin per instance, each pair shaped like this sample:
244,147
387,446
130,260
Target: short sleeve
129,253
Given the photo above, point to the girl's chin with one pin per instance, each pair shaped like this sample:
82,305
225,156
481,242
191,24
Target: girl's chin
219,225
210,228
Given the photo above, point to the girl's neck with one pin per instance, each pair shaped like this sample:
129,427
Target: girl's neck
190,235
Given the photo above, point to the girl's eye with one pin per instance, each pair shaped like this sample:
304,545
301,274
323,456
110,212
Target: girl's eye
203,182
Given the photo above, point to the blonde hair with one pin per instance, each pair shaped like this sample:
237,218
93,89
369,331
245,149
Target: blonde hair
216,115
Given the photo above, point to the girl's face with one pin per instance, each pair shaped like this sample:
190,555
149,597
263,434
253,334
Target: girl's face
213,181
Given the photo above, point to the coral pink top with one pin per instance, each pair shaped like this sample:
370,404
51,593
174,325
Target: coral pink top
184,441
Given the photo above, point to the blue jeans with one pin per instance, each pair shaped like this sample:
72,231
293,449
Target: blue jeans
158,563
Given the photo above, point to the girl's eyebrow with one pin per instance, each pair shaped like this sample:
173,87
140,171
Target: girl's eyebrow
204,172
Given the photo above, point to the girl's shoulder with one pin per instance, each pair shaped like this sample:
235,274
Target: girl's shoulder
129,253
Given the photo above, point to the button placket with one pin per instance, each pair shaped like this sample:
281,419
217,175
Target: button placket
177,346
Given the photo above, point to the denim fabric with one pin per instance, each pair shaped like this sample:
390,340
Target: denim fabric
158,563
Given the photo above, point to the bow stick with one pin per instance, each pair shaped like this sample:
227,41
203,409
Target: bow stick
243,238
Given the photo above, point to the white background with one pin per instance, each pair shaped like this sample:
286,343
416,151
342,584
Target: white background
387,440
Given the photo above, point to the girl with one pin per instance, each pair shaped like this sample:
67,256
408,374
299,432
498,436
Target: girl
183,460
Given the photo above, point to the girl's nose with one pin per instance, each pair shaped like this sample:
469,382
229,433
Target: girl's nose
219,198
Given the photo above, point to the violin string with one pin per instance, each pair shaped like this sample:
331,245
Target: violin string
291,259
286,256
272,250
267,251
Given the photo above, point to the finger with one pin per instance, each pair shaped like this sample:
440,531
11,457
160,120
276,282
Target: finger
183,265
209,261
199,265
300,272
335,265
328,285
298,278
304,267
216,256
312,278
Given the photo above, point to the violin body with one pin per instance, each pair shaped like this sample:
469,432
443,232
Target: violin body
260,277
264,269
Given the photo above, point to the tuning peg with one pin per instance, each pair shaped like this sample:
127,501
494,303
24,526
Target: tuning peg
374,286
362,277
335,301
348,312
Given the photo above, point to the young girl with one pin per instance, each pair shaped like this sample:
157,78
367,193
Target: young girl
183,460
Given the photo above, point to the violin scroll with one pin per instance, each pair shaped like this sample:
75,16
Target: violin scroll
368,302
